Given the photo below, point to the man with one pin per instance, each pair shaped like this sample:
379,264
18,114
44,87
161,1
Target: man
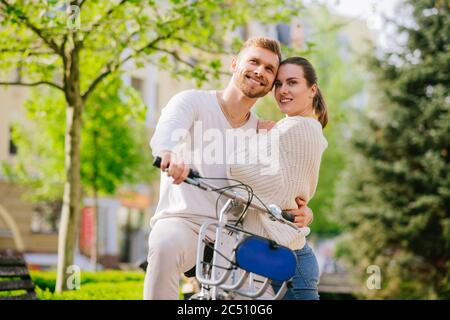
183,208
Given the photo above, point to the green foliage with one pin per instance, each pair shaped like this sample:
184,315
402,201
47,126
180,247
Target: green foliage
396,199
40,142
113,140
105,285
110,32
98,291
339,80
12,293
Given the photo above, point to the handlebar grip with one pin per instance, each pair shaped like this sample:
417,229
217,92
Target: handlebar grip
288,216
157,162
192,173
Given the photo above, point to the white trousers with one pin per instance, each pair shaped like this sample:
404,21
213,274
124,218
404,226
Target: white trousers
172,251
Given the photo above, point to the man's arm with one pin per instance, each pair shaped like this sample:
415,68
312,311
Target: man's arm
174,124
176,119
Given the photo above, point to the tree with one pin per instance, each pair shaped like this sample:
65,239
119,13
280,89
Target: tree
53,51
113,140
396,201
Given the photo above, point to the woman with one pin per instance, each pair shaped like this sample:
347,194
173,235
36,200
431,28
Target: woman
300,148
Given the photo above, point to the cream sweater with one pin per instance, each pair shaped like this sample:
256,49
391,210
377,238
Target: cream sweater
300,149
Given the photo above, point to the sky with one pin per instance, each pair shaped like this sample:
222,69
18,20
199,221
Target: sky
370,10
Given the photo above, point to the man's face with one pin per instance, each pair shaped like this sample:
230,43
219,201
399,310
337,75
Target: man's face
254,71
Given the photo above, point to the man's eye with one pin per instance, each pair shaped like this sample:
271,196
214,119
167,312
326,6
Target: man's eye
252,61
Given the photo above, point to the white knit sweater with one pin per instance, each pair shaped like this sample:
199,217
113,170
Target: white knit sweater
300,149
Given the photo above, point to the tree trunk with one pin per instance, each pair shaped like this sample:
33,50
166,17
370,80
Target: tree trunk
96,214
94,244
71,201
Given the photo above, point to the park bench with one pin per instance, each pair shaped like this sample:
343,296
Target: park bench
14,276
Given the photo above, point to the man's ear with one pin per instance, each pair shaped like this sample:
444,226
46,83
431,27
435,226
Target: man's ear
234,62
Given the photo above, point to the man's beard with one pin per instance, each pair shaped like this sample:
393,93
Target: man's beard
258,92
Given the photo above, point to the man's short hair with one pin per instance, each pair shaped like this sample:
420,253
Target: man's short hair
265,43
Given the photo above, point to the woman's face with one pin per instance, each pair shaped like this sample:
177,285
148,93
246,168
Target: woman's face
292,93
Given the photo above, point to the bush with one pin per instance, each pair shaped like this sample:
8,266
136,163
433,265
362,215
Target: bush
97,291
106,285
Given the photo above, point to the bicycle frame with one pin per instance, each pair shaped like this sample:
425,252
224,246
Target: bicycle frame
223,280
218,284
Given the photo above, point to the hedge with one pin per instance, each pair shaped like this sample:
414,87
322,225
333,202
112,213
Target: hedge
104,285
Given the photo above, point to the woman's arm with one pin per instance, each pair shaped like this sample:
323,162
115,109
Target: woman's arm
303,215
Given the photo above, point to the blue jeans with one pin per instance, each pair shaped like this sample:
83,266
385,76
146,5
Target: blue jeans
304,284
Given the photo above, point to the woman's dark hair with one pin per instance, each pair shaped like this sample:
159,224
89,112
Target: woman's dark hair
319,105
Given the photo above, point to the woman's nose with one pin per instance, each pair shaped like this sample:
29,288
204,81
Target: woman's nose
283,89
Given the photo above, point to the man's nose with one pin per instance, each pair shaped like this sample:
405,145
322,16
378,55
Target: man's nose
259,70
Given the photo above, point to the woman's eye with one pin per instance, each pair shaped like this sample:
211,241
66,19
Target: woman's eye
277,84
292,83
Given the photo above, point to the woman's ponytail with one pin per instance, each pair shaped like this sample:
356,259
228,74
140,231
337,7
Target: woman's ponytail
320,108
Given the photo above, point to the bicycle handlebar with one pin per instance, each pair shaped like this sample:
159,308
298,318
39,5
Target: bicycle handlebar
194,174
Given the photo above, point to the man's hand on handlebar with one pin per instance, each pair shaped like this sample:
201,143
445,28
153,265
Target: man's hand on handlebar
177,169
303,215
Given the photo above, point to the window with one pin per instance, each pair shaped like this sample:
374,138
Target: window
45,217
12,145
243,32
283,31
137,84
18,75
130,233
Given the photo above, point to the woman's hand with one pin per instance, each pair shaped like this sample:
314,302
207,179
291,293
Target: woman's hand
265,125
303,215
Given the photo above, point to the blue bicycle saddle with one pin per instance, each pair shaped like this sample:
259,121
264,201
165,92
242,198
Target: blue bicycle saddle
265,257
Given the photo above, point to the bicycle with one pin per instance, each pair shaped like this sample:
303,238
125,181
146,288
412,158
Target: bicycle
242,264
